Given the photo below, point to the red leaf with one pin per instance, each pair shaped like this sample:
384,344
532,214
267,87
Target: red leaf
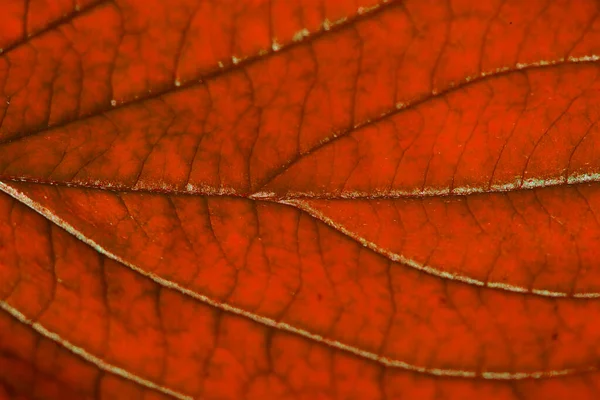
266,199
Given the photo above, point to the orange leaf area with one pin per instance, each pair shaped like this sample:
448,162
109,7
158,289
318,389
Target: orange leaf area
299,200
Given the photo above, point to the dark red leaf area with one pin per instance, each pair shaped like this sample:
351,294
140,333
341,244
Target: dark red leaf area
33,367
299,200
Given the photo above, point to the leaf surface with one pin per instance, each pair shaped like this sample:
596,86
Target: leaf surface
317,200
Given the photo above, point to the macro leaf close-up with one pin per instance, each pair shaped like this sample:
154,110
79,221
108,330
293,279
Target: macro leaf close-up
299,199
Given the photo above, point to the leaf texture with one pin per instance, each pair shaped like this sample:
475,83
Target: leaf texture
272,199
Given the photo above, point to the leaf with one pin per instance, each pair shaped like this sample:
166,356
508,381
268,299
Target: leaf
299,200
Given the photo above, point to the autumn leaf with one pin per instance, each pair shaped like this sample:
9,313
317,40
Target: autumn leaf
299,200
